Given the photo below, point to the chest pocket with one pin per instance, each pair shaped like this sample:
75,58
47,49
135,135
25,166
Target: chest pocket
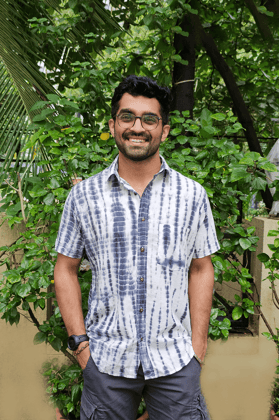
172,247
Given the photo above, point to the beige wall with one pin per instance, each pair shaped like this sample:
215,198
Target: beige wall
236,379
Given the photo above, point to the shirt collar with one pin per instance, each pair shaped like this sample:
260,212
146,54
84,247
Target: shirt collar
113,168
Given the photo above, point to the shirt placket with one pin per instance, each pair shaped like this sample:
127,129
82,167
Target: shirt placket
143,221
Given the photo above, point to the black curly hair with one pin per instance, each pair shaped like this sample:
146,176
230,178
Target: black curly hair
142,86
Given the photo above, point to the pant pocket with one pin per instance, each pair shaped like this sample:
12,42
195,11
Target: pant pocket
199,409
89,410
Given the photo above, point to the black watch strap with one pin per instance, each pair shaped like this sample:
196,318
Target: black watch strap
75,340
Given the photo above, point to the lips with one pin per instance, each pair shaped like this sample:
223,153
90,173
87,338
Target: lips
136,138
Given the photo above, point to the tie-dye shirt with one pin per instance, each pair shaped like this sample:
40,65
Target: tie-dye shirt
140,250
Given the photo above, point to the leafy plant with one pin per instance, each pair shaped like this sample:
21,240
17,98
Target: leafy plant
65,387
275,392
272,264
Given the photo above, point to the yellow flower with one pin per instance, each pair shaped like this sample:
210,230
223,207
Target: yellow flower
52,281
104,136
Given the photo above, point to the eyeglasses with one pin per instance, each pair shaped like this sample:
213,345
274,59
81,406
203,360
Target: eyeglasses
148,121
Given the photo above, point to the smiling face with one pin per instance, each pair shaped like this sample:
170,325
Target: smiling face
137,143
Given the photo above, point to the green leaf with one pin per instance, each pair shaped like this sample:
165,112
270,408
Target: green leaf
176,131
273,232
42,116
39,105
3,307
76,393
276,243
13,276
218,117
56,344
268,166
263,257
38,191
31,298
49,199
238,173
259,183
25,306
237,313
244,243
52,98
205,117
23,290
39,338
54,183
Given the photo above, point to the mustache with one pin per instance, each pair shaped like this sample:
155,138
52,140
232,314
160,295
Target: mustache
134,135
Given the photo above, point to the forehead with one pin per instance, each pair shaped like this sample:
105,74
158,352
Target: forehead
139,104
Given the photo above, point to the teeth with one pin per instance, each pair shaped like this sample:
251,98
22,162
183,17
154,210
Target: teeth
137,140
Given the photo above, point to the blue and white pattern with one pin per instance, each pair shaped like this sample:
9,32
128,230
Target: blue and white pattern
140,250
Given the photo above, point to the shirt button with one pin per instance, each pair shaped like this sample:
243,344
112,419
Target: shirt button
141,310
141,279
142,249
135,193
141,339
142,219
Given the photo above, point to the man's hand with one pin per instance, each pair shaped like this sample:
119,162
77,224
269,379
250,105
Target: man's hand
83,357
199,349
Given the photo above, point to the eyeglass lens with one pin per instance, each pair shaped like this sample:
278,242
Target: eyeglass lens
148,121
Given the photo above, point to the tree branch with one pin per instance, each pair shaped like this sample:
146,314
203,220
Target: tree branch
4,252
261,314
242,111
36,322
21,198
261,21
184,74
274,292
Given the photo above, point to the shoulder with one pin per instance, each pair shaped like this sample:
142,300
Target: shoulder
89,184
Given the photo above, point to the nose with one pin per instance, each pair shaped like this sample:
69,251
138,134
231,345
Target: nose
137,125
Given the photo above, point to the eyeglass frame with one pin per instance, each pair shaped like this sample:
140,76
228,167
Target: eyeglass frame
136,116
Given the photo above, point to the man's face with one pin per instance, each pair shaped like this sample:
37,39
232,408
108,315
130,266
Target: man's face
137,143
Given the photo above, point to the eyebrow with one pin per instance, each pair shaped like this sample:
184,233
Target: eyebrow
127,110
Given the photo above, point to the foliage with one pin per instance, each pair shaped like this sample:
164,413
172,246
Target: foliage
65,386
275,392
272,264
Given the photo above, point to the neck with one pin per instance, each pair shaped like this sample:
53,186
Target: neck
138,174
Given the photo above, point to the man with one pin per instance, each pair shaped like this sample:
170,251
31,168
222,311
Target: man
148,233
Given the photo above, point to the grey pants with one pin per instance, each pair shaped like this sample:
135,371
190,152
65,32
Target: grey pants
173,397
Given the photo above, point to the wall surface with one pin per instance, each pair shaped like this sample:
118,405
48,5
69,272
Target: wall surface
236,378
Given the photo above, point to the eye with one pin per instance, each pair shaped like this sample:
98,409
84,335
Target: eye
126,117
150,119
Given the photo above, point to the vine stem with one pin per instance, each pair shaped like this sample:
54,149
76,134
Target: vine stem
19,191
262,315
65,352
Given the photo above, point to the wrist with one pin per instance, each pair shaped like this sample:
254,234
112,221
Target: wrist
199,348
201,362
75,340
81,347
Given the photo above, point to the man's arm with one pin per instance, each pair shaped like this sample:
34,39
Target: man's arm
200,290
68,295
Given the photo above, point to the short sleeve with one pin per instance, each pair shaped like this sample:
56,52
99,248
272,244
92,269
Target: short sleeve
206,242
69,240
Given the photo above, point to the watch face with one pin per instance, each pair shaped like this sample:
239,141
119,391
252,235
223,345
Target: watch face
71,343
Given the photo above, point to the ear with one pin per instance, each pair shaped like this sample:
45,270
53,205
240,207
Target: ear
111,126
165,132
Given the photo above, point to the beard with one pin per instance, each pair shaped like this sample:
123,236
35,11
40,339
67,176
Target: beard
137,152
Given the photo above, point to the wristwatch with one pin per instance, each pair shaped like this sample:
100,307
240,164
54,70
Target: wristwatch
75,340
